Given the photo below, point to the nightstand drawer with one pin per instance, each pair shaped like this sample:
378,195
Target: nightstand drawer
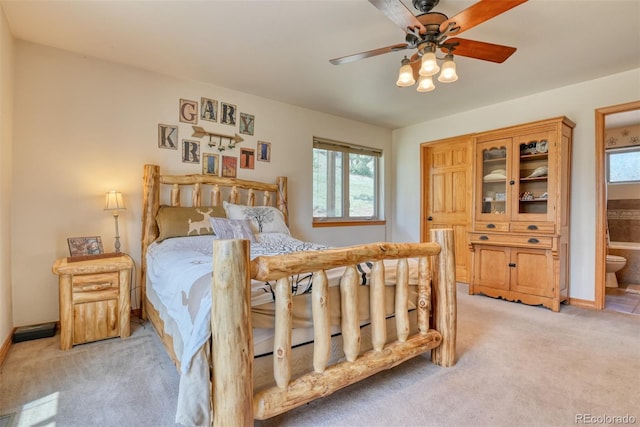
95,287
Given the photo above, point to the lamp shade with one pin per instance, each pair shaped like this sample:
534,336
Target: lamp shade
448,73
113,201
425,84
405,77
429,64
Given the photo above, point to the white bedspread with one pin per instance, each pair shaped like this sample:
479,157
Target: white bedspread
179,269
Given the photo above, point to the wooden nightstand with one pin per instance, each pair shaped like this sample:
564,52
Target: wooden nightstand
94,299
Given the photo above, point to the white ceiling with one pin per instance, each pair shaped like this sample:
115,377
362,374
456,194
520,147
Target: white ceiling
281,49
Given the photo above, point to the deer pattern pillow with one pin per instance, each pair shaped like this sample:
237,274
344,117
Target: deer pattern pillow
186,221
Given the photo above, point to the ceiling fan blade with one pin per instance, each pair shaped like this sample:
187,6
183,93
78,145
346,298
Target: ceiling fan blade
481,50
397,12
478,13
368,54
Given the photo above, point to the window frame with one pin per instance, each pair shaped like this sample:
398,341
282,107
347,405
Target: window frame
346,149
613,151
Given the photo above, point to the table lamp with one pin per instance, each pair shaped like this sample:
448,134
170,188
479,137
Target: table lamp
113,202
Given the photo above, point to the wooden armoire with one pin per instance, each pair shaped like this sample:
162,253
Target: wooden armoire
521,199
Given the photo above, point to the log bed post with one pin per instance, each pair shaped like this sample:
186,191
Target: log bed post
444,302
231,335
150,207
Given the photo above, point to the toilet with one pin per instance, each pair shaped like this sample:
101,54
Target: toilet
614,264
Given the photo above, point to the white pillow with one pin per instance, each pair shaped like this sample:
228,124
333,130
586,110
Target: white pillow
263,219
232,229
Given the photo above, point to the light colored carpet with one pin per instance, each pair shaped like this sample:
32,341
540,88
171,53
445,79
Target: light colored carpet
517,365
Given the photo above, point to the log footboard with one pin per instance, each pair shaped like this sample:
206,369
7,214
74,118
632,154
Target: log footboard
234,402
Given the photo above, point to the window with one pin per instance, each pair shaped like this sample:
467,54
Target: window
345,181
623,165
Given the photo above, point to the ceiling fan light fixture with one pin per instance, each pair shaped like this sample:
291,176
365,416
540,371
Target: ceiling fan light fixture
448,73
405,77
425,84
429,65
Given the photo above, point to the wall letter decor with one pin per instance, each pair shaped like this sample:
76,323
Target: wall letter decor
210,164
167,136
190,151
188,111
229,166
228,112
264,151
246,123
247,158
209,109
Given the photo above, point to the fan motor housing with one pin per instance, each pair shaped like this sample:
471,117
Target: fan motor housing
425,5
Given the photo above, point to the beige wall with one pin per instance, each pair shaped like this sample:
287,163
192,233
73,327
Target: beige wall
84,126
578,102
6,119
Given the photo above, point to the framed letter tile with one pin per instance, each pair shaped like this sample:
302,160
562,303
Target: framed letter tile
210,164
246,123
188,111
264,151
228,114
209,109
167,136
190,151
247,158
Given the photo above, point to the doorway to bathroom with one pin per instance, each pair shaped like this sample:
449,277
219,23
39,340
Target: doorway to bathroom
618,209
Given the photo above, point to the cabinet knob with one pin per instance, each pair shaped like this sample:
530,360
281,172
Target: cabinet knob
429,218
512,182
491,226
484,237
533,240
532,227
512,264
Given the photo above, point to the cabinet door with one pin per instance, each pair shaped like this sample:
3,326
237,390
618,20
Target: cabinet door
535,175
532,271
492,175
491,267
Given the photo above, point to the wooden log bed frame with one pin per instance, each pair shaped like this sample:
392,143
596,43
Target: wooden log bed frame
233,397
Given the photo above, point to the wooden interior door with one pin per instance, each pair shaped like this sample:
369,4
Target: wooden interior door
447,180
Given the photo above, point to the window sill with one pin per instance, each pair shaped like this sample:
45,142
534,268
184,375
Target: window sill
348,223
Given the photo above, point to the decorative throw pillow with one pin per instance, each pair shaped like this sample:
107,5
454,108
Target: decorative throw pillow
232,229
181,221
264,219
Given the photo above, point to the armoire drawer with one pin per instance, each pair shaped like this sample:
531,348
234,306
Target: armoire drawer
533,227
491,226
543,242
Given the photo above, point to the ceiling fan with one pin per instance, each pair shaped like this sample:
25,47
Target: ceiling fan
430,31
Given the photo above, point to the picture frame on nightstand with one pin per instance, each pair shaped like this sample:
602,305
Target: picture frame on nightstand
79,246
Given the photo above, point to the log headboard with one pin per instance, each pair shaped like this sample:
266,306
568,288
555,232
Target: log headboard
191,190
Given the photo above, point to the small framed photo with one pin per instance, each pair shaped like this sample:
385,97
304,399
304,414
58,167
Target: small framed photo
264,151
247,158
229,166
210,164
85,245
